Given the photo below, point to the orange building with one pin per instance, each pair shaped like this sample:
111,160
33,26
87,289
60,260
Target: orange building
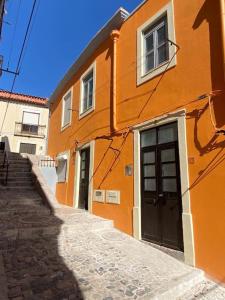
137,126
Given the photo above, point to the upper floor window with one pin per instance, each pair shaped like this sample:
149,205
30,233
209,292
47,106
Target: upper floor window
87,100
30,122
156,45
155,52
87,91
67,109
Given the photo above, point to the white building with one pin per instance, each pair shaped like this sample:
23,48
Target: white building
23,123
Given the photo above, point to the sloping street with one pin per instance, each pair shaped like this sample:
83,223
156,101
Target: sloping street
72,254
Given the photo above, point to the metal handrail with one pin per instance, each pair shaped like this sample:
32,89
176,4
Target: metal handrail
6,165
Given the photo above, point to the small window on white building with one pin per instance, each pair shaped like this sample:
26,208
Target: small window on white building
61,169
87,98
156,45
67,109
30,122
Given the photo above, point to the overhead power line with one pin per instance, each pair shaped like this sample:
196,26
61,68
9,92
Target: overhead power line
19,60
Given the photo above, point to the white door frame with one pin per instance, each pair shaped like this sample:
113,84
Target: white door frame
90,145
188,234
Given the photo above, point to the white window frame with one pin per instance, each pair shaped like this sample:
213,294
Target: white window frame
64,126
141,75
64,156
89,110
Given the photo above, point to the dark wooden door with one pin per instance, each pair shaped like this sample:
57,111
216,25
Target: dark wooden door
160,184
84,178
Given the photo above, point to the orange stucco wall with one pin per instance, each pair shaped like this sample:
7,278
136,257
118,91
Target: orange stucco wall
198,71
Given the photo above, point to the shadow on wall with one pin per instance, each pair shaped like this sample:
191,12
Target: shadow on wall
213,144
5,140
33,266
210,12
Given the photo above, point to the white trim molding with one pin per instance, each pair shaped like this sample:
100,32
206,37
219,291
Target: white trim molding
89,110
165,11
90,145
188,234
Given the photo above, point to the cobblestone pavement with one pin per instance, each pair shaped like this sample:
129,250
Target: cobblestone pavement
75,255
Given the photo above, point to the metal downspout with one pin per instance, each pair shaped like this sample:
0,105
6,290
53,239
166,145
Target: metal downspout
222,17
114,36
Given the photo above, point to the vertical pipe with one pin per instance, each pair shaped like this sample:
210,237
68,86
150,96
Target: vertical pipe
222,17
114,36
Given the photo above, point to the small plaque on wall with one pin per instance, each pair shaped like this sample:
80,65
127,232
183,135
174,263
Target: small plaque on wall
113,197
99,196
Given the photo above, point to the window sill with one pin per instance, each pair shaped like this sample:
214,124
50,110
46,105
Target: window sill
155,72
65,127
85,113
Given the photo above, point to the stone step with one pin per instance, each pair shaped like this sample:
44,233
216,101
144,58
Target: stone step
17,178
177,286
16,188
34,227
19,183
27,210
19,164
13,174
206,290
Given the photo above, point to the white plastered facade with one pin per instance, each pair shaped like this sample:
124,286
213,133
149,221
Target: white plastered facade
12,112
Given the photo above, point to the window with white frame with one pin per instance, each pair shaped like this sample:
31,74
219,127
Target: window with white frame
155,48
155,52
67,109
87,95
61,169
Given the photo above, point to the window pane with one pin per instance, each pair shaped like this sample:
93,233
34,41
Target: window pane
149,157
87,92
169,169
90,96
83,164
83,154
162,54
67,107
148,138
167,134
85,96
150,185
83,174
161,34
169,185
30,118
149,62
168,155
149,43
149,171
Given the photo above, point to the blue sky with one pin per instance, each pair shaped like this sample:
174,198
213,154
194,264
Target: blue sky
60,31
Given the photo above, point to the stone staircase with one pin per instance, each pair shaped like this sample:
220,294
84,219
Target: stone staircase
19,173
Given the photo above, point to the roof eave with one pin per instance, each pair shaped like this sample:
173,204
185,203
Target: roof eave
114,23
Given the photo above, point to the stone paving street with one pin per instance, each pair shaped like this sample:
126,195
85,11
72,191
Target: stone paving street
75,255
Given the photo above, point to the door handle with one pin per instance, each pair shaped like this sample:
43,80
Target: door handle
161,195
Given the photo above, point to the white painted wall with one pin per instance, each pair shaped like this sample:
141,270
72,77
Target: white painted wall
12,112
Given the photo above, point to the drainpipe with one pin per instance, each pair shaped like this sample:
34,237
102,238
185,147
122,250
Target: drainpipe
222,17
115,37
